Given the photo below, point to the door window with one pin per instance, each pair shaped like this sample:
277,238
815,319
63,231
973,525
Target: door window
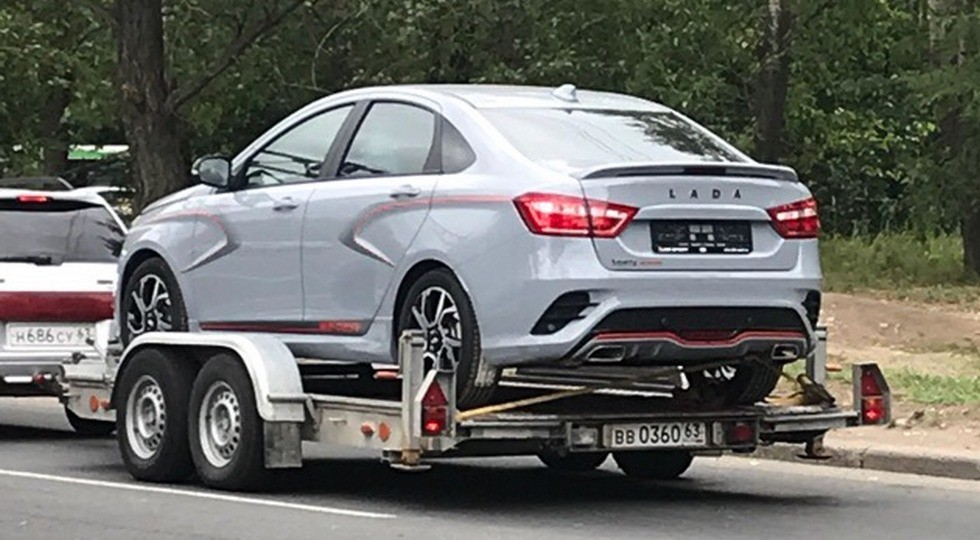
393,139
298,154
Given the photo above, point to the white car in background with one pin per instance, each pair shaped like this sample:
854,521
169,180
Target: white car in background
58,255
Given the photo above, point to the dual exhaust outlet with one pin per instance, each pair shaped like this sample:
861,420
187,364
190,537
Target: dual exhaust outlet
613,353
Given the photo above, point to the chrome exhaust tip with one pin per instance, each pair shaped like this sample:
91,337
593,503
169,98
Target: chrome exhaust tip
606,354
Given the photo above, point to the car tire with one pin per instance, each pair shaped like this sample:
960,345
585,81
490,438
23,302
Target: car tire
169,314
475,381
573,462
226,433
661,465
754,382
154,389
89,428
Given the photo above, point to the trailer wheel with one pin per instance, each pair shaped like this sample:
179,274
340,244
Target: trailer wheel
573,462
151,422
89,428
653,465
227,443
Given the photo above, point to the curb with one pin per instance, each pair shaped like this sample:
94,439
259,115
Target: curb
890,459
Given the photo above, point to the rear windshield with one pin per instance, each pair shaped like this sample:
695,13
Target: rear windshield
59,231
569,139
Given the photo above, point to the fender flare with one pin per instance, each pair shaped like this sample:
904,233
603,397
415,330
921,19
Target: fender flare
279,395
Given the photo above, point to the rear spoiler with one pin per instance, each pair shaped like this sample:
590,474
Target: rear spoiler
754,170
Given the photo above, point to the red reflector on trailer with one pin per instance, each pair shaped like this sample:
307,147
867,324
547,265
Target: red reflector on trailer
55,306
434,413
741,433
872,410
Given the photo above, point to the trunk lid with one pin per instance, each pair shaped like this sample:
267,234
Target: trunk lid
696,216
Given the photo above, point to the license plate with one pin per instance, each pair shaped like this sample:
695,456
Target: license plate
656,435
49,335
702,237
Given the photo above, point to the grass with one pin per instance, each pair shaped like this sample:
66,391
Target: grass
900,266
935,389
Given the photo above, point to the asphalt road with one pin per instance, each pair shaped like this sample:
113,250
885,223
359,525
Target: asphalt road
56,485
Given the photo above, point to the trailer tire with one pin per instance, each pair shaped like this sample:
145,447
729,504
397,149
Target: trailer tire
89,428
151,421
654,465
226,433
573,462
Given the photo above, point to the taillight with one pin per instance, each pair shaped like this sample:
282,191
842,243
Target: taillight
872,395
564,215
435,413
55,306
797,219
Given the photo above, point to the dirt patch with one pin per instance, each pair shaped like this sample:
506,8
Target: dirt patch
862,322
930,340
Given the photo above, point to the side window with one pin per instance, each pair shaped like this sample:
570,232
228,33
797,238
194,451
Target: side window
457,154
298,154
393,139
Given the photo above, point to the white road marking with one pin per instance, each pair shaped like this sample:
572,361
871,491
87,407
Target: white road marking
197,494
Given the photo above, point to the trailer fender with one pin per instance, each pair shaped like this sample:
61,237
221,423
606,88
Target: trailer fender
271,366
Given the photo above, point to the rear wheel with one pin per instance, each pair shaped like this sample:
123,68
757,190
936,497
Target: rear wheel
654,465
151,302
437,305
744,383
573,462
89,428
226,437
151,419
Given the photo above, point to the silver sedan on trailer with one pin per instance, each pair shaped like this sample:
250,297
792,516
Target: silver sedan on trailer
513,225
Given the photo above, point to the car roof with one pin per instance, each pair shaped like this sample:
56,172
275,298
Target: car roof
487,96
49,183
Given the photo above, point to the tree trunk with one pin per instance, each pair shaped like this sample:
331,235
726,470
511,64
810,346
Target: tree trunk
54,133
971,240
151,124
773,81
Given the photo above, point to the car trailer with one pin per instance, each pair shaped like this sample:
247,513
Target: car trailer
242,405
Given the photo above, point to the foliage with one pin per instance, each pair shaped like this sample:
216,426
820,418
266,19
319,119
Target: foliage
864,122
892,261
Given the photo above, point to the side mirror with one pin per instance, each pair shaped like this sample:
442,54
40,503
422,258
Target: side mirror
213,171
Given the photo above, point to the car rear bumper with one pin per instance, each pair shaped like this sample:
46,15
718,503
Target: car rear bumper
510,303
30,373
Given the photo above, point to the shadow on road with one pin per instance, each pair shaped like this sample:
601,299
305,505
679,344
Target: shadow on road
26,434
466,486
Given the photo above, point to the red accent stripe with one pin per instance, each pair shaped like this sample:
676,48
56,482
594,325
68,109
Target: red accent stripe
319,327
55,306
672,336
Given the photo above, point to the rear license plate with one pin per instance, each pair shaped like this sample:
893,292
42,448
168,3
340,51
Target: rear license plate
656,435
701,237
21,335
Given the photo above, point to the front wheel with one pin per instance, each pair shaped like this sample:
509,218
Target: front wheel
437,305
151,302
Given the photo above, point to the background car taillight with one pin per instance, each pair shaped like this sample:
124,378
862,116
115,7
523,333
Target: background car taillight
564,215
797,219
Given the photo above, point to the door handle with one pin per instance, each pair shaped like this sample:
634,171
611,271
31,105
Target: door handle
285,204
406,191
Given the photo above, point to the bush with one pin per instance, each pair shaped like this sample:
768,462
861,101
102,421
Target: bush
892,261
